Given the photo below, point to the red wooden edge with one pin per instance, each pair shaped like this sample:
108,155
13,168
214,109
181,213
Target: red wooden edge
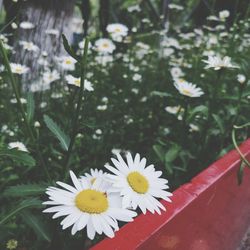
212,212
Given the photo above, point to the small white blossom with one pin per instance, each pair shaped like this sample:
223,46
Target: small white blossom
188,89
67,63
77,82
117,31
137,77
18,68
217,62
26,25
29,46
241,78
18,145
223,15
50,76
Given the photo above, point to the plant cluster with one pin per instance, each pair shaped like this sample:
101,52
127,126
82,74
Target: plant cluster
172,93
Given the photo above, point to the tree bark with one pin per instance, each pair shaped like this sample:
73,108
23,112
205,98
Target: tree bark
45,15
85,10
104,16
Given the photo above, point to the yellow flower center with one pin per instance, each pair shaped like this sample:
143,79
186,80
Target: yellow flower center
77,82
92,201
68,61
138,182
105,45
186,92
19,70
117,30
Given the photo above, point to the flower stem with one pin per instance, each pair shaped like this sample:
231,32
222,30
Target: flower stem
211,107
23,114
236,144
83,65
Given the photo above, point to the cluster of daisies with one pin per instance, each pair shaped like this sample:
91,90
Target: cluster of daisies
97,201
103,46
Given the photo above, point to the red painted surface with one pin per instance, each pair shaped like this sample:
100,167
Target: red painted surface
210,213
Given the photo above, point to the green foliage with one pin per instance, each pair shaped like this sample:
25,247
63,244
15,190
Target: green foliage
134,107
30,107
25,204
57,132
69,49
24,190
37,223
240,173
18,156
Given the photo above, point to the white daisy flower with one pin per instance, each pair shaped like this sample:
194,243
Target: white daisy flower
18,145
193,128
174,109
50,76
26,25
81,44
188,89
241,78
14,25
133,8
137,77
29,46
95,174
104,45
77,82
86,205
138,185
217,62
224,14
175,6
176,72
117,31
18,68
67,63
22,100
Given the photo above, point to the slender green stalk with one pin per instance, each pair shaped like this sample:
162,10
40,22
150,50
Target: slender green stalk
184,121
238,149
83,64
212,105
242,126
23,114
238,108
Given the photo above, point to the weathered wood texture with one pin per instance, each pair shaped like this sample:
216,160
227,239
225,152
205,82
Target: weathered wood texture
45,15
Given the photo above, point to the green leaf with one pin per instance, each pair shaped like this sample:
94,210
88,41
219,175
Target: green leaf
219,123
25,190
18,156
240,173
68,48
38,224
30,203
57,131
30,107
170,156
172,153
161,94
159,151
169,168
197,110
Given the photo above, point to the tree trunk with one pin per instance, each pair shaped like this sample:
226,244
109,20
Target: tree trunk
104,16
45,15
85,10
1,3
